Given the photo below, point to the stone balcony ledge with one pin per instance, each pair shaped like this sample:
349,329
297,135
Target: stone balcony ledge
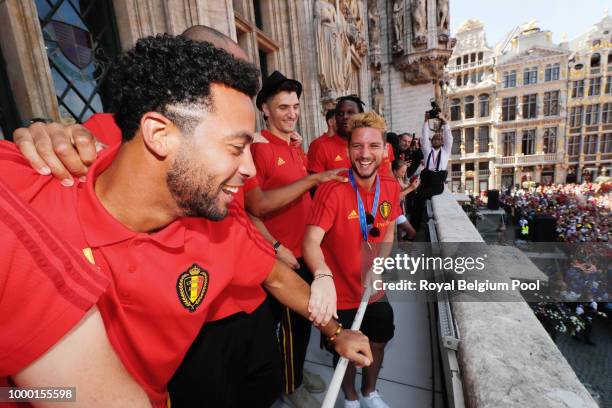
506,358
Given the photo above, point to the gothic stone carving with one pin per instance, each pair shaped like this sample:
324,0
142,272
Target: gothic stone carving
333,49
419,22
443,32
398,25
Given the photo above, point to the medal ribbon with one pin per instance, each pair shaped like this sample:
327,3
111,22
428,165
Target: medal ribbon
362,217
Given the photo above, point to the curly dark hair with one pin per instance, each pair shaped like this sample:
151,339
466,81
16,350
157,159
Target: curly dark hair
351,98
167,74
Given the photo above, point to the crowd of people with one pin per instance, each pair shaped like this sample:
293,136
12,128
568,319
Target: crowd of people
194,251
582,211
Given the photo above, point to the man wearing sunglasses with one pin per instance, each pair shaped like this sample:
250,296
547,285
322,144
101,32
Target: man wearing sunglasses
345,219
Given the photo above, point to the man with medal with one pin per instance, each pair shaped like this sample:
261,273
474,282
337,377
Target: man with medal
346,218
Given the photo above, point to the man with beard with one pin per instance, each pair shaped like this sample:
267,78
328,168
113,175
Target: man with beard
186,125
332,153
279,163
343,218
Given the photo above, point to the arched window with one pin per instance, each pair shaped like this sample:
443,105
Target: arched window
595,60
469,107
81,40
483,105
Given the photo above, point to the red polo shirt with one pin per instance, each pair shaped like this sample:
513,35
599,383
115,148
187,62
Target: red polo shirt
232,300
314,145
163,283
332,153
46,287
279,164
335,210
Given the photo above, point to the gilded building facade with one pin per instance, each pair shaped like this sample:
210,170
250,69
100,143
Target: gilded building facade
508,108
56,53
589,138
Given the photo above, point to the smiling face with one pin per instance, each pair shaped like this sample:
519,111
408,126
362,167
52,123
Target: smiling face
214,159
366,150
404,142
344,111
283,112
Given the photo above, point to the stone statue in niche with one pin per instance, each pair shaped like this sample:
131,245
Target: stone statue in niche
374,33
398,25
378,94
354,17
442,6
419,22
333,48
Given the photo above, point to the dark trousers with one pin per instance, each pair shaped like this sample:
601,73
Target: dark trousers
432,183
293,336
234,362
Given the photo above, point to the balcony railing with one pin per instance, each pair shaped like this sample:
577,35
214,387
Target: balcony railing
529,159
484,172
475,64
455,173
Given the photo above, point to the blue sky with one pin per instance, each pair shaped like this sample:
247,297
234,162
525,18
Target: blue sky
499,17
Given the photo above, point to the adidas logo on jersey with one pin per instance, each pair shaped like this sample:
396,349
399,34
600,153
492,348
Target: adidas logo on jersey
280,161
338,158
353,215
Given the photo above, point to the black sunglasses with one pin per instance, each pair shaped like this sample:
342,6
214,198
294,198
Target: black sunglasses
374,232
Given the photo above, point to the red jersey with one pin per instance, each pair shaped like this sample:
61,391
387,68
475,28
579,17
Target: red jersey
163,283
279,164
104,128
46,287
335,210
312,148
332,153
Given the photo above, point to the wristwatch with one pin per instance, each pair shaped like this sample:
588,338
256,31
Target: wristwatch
276,245
41,120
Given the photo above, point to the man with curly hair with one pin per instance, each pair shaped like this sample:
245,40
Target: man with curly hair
145,215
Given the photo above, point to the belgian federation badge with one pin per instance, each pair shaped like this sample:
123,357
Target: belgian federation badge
191,287
385,209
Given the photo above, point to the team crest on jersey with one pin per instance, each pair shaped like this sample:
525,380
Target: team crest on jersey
338,158
385,209
280,161
353,215
191,287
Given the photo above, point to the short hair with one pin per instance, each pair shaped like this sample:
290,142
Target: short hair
397,164
351,98
368,120
172,75
285,86
330,114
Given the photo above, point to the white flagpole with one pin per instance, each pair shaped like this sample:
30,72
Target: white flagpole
334,385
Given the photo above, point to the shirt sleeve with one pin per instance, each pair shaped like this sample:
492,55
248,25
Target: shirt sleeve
255,256
17,174
425,142
324,207
448,139
262,156
46,287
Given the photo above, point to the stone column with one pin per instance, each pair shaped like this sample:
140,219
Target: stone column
537,177
26,60
462,176
493,183
476,178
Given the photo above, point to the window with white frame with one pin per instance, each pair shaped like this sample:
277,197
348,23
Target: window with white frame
595,86
589,145
609,80
508,141
483,139
528,142
576,116
605,145
551,103
456,149
578,89
509,108
529,106
483,105
552,72
530,76
469,140
469,107
591,115
550,140
455,109
606,113
573,145
509,79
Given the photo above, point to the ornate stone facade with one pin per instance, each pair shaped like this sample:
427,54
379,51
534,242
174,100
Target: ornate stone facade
334,47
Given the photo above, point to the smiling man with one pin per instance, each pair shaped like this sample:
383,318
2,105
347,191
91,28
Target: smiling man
157,214
345,216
